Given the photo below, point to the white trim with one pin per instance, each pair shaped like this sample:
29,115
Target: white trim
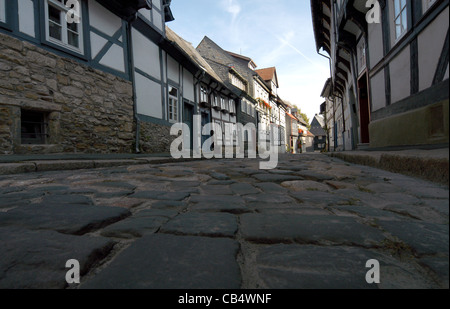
64,42
173,102
399,16
2,11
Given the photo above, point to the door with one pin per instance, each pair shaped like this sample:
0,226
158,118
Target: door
364,109
188,118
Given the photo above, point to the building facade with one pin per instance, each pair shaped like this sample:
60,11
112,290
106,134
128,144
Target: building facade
389,84
99,78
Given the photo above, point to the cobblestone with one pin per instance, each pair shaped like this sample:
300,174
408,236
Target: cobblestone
312,223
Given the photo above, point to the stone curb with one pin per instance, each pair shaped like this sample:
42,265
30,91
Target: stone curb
66,165
432,168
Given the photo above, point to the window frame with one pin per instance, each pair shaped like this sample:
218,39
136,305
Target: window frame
63,44
173,101
3,19
399,16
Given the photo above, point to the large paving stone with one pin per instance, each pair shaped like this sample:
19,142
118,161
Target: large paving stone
37,259
323,198
243,189
218,203
267,177
269,198
163,261
202,224
269,187
315,176
369,212
305,185
425,238
134,227
314,267
161,195
439,265
67,219
65,199
288,228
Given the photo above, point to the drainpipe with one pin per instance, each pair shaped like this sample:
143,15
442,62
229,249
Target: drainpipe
133,82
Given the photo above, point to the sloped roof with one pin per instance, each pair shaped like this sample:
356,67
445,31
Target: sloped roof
192,53
268,74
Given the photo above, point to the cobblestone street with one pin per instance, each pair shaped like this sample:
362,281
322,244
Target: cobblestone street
313,222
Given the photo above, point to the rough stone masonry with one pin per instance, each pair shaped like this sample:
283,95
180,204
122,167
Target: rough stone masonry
86,110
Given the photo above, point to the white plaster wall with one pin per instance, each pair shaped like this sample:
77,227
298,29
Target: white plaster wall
102,19
97,43
173,69
400,75
157,4
430,43
114,58
146,55
157,20
378,91
375,43
26,17
148,97
188,86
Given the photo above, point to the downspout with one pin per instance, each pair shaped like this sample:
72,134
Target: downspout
334,103
133,82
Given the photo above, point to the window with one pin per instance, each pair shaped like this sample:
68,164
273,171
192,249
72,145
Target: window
2,11
223,104
173,103
400,18
214,101
232,106
362,55
64,24
34,127
203,95
237,82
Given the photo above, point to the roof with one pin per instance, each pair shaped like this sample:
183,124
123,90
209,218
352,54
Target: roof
222,62
320,120
309,134
192,53
268,74
247,59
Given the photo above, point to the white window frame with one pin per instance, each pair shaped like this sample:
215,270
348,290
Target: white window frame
398,16
2,11
173,103
203,94
232,106
64,29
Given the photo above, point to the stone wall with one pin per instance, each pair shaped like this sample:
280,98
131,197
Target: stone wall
155,138
88,111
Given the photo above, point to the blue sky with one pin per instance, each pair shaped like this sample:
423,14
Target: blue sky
272,32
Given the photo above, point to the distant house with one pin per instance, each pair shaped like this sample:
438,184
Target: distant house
309,142
320,135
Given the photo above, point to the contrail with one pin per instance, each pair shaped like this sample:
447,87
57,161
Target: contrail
286,42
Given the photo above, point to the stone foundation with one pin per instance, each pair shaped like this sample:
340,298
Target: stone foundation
155,138
87,110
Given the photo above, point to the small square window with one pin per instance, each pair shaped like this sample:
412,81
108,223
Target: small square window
34,127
